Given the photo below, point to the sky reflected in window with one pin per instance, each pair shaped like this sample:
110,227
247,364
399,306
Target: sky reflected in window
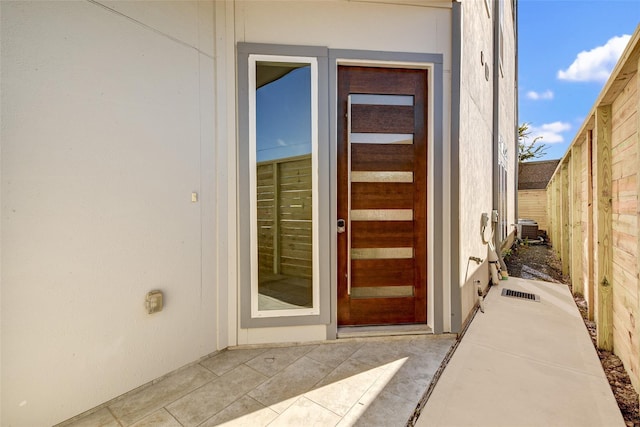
283,111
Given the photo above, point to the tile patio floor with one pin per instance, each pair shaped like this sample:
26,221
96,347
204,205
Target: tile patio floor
362,381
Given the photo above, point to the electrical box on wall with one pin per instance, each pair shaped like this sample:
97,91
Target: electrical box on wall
154,302
484,219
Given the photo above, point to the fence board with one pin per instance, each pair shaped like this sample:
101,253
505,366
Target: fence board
532,204
604,222
284,206
575,220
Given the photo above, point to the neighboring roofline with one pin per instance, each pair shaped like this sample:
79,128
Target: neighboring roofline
536,174
541,161
625,68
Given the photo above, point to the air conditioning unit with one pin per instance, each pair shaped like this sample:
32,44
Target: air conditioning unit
527,229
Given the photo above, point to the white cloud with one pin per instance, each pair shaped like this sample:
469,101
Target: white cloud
596,64
547,94
281,142
551,133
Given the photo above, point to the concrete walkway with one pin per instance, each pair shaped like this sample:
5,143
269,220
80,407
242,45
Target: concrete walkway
524,363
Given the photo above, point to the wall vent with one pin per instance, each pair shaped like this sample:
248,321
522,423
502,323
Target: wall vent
521,295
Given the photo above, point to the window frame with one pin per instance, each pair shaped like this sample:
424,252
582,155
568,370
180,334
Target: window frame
503,162
315,284
323,203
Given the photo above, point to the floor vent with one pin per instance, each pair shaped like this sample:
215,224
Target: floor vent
522,295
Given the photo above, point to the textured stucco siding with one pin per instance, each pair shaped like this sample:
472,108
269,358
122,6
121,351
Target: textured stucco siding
476,137
107,128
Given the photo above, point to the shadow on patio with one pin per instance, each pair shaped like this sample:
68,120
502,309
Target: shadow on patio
372,382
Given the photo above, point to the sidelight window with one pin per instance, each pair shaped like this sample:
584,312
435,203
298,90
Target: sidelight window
283,146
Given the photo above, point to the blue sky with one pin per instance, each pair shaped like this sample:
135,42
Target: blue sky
567,49
283,116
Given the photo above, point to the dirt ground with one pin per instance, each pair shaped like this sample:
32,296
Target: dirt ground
537,261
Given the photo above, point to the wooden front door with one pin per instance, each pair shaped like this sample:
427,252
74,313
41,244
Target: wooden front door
382,193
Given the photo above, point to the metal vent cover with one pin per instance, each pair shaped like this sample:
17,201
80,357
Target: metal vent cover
521,295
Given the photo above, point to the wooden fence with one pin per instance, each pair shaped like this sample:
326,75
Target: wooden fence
593,212
284,199
532,204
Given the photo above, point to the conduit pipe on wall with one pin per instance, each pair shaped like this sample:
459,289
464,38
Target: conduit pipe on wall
496,113
497,243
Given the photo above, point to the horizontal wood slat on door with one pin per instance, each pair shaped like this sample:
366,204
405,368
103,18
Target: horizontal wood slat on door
382,272
382,234
382,118
381,195
382,157
388,310
398,82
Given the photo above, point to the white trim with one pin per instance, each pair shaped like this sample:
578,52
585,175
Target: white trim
227,256
315,309
446,208
431,205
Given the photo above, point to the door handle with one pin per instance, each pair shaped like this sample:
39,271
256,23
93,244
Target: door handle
341,226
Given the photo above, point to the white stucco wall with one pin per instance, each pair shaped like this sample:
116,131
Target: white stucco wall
476,136
108,126
341,24
113,113
476,155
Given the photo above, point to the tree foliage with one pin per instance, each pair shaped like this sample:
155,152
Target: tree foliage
529,150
